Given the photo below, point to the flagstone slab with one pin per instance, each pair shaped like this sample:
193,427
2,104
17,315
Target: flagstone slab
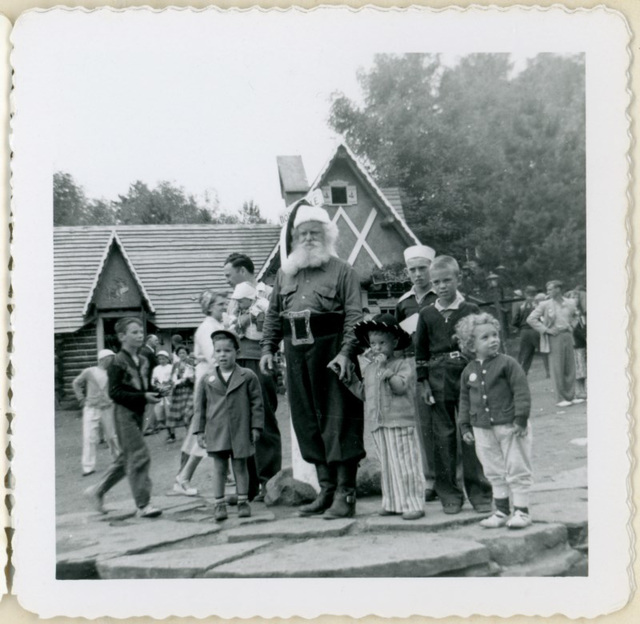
178,563
558,562
293,528
573,514
91,543
364,555
434,520
511,547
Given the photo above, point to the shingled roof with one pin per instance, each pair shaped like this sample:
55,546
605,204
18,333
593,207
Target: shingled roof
171,263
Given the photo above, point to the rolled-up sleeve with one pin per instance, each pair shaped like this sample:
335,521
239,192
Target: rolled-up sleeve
349,285
272,331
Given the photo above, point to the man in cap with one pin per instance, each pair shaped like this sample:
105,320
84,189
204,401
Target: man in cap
91,388
315,305
418,259
240,274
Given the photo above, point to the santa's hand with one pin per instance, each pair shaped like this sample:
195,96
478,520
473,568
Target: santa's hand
341,366
468,438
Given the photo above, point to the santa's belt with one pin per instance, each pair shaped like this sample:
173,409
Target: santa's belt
302,327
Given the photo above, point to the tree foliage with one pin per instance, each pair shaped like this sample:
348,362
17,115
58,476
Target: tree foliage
164,204
491,162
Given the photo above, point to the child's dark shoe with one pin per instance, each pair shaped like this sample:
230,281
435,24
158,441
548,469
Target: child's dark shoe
220,512
452,508
413,515
483,507
244,510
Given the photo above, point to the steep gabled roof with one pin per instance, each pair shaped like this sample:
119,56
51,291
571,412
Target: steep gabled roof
391,204
172,264
114,240
398,221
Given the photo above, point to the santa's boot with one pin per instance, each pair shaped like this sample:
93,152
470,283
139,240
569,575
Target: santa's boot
327,479
344,501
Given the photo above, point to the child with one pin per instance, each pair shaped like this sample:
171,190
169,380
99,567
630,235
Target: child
181,408
161,383
494,412
249,312
91,390
439,364
128,375
388,390
230,416
213,305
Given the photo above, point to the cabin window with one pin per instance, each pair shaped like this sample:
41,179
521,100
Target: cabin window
338,194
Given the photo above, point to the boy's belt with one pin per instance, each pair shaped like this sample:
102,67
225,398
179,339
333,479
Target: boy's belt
439,358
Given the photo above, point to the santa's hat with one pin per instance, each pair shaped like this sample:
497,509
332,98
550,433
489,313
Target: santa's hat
302,211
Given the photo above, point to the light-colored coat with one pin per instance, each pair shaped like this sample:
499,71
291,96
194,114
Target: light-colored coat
229,412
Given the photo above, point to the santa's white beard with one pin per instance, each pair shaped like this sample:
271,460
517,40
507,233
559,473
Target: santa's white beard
303,257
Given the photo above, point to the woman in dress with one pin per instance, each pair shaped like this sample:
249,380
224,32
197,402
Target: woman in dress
182,381
213,306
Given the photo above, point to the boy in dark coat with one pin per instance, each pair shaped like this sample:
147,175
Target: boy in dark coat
230,415
439,364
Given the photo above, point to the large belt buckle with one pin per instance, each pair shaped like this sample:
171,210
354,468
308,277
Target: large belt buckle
454,355
300,327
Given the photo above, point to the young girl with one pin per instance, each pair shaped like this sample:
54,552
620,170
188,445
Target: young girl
229,415
388,390
494,412
161,383
182,377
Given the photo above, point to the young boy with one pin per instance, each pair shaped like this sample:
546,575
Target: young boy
229,416
91,390
388,390
128,375
494,414
439,364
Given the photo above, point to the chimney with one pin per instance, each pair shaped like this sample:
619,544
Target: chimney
293,179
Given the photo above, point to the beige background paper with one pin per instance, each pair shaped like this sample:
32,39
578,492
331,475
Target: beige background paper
8,608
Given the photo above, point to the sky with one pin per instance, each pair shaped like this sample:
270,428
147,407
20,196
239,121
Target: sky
206,104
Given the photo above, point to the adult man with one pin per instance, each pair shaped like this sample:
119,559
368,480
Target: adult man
149,351
315,305
239,268
418,260
529,337
557,316
91,390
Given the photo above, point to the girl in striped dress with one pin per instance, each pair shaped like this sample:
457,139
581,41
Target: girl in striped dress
182,380
388,389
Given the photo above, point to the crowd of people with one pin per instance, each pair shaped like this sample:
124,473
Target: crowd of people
448,408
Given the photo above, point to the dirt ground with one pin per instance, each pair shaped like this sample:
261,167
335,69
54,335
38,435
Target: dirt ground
554,429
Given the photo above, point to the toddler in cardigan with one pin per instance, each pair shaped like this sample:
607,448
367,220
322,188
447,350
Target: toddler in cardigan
388,389
494,415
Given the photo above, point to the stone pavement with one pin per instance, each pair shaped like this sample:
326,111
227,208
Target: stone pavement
186,542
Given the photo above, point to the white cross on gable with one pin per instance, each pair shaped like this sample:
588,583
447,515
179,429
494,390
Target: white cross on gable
361,236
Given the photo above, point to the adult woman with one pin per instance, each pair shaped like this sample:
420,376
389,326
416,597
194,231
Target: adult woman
213,306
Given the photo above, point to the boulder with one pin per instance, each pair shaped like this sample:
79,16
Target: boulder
368,481
283,489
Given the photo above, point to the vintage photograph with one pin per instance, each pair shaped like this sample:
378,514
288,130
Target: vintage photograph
318,305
